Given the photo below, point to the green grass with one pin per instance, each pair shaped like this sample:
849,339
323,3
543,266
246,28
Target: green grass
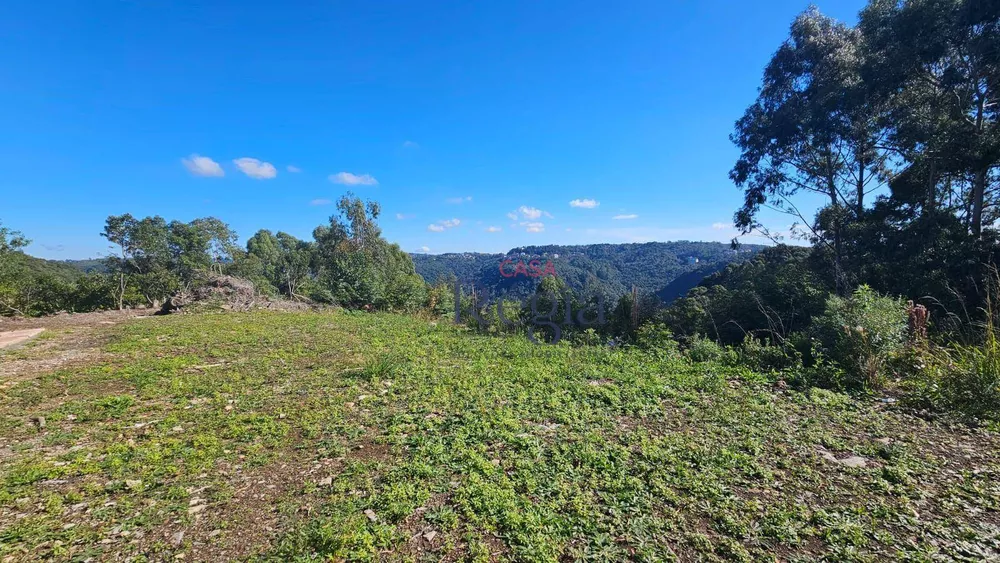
359,436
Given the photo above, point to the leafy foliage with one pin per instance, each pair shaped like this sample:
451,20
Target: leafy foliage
862,333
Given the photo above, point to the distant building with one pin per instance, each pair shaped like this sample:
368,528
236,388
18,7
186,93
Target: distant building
692,260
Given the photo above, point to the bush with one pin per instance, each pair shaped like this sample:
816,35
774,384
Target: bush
861,334
762,356
960,379
656,336
702,349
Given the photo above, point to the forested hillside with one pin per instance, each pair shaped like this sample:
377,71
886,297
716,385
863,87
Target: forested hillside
607,269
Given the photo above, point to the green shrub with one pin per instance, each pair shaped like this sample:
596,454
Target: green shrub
656,336
703,349
862,333
765,357
588,337
959,379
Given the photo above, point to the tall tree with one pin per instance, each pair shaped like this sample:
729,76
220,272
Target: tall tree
940,60
814,128
358,266
11,243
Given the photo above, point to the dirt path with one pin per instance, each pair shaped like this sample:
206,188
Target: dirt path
15,337
61,340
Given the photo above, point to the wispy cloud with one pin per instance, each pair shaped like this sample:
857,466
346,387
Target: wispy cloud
530,212
584,203
533,227
440,226
458,200
349,179
404,216
320,202
255,168
721,226
410,145
293,169
425,249
492,229
202,166
625,217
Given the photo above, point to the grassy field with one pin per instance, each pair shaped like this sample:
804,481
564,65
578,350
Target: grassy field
284,436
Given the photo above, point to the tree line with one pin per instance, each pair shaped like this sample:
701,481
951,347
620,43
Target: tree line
348,263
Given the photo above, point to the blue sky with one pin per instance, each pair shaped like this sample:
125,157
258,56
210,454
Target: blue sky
453,115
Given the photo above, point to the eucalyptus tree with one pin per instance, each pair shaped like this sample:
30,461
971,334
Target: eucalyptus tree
940,62
358,266
814,128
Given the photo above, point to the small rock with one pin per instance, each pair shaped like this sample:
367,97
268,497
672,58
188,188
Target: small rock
325,482
197,509
177,539
884,441
177,428
133,483
41,422
853,461
371,515
214,533
429,536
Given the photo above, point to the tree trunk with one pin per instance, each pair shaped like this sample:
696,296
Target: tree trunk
978,197
860,209
121,291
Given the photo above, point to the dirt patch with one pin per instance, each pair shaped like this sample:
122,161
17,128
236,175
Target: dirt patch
15,337
69,339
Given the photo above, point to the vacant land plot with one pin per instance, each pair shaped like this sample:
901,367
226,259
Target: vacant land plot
361,436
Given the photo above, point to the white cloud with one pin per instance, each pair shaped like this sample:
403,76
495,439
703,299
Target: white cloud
721,226
293,169
202,166
493,229
255,168
404,216
457,200
533,227
320,202
530,212
440,226
584,203
625,217
424,249
512,216
349,179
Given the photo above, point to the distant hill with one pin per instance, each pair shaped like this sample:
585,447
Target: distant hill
63,270
667,269
88,266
